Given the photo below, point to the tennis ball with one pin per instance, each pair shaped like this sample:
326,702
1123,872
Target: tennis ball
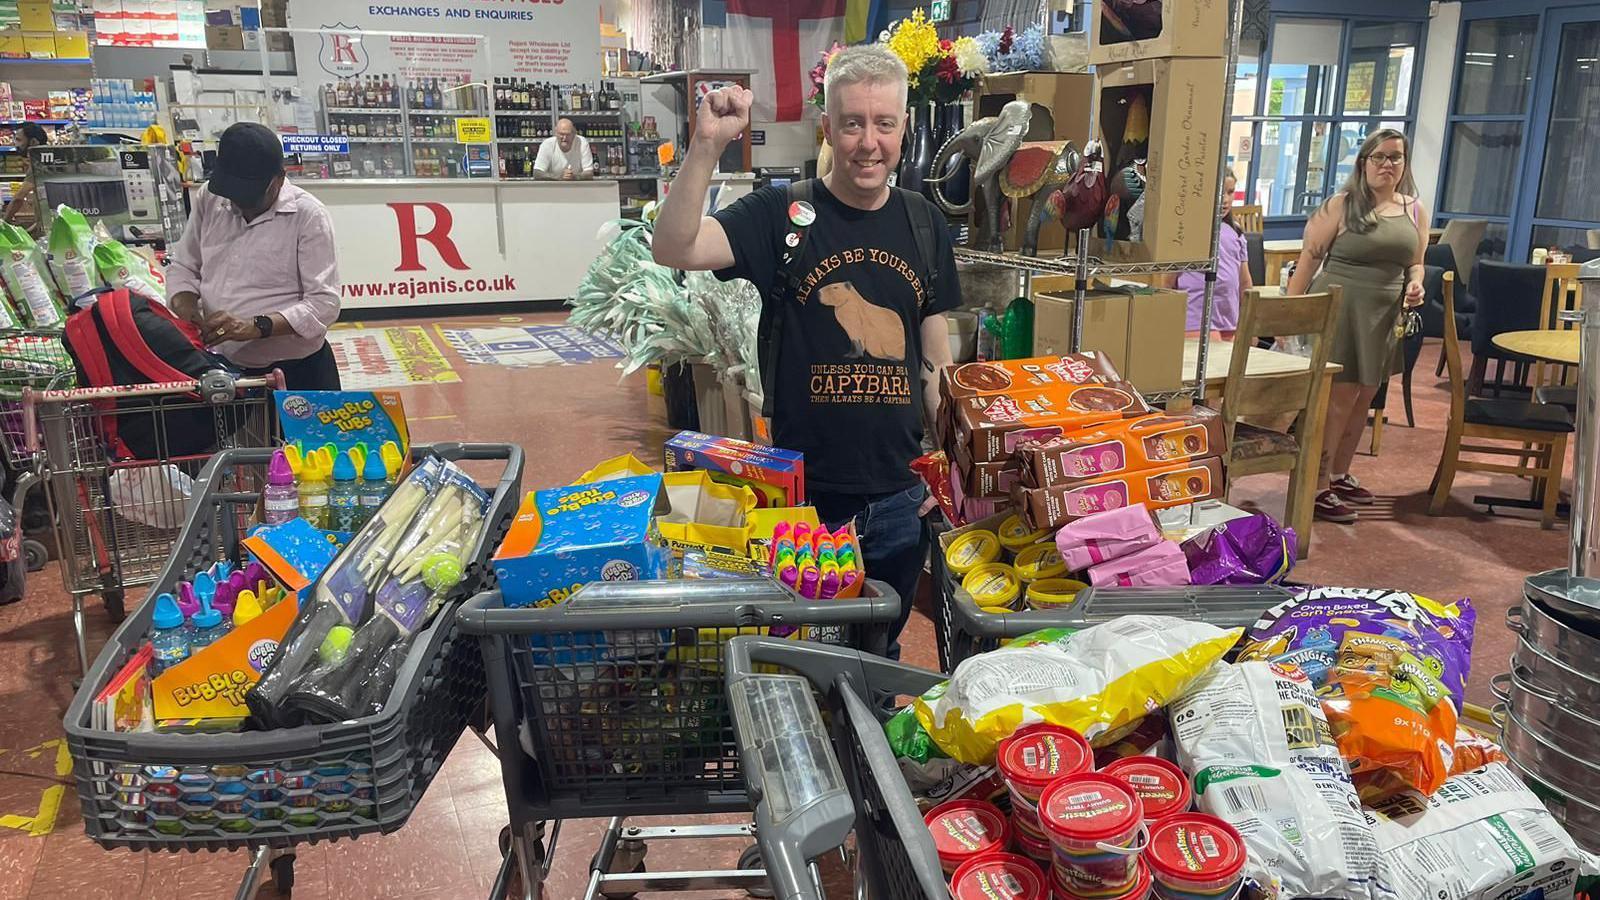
441,572
336,644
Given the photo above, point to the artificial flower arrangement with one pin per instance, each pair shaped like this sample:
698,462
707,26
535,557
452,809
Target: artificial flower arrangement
940,70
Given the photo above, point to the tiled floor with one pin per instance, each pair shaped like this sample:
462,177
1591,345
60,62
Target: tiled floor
567,418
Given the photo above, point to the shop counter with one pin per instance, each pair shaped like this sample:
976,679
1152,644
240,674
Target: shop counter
404,242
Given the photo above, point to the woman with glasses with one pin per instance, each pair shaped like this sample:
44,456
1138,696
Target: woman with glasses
1369,239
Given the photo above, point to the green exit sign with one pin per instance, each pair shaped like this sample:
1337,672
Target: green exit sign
939,10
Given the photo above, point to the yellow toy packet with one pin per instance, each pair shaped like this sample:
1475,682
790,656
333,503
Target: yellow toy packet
1095,681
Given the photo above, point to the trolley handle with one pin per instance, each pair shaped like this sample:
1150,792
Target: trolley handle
677,604
824,664
32,399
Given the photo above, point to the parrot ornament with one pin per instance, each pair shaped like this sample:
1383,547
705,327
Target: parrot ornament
1129,20
1080,202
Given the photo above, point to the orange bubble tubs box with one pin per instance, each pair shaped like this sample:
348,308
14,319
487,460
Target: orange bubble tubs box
777,476
564,538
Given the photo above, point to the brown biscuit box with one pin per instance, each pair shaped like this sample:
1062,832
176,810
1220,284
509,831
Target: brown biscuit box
1115,447
989,428
991,480
1174,485
976,379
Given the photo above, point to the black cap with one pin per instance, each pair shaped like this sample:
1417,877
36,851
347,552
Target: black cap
249,156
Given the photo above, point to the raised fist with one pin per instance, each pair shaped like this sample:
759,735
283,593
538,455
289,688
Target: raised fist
724,115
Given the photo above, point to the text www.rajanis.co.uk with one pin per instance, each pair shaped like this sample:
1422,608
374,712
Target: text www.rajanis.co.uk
426,287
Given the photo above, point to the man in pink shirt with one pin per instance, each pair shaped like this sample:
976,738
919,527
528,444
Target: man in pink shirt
255,268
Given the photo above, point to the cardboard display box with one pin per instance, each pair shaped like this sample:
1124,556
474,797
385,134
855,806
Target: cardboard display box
1188,28
1060,103
224,37
1181,483
1140,331
997,376
1181,145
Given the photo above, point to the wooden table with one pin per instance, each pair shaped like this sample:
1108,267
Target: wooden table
1550,346
1277,254
1269,364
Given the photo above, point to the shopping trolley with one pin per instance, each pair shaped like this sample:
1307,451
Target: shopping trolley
812,785
962,629
35,359
116,517
269,791
614,704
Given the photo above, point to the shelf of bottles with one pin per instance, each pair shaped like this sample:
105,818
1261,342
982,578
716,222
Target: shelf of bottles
399,128
526,114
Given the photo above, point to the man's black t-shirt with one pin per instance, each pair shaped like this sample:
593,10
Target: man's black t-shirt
849,368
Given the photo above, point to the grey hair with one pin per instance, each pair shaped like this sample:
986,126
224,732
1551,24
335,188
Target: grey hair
864,63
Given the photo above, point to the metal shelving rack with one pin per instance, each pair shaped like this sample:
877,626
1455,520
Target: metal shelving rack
1082,266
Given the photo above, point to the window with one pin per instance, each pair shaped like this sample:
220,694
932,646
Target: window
1304,102
1486,125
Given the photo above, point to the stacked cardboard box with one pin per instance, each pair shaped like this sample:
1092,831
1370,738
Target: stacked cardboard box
1065,436
1160,100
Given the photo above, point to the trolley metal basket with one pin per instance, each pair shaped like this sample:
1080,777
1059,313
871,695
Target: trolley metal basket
35,359
962,629
116,518
271,790
812,784
614,704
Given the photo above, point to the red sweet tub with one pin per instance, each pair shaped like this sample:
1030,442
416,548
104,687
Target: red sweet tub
1161,786
1193,856
1001,876
964,830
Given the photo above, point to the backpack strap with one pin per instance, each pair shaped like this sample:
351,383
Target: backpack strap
769,332
919,213
117,313
84,339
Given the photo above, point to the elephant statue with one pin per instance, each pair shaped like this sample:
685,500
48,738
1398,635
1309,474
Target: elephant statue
988,143
1036,171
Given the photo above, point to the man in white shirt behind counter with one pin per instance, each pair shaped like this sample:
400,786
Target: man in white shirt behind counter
564,157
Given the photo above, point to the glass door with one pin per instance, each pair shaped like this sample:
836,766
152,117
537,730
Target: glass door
1565,209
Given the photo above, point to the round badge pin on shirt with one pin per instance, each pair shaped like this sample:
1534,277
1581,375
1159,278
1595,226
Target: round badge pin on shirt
801,213
792,239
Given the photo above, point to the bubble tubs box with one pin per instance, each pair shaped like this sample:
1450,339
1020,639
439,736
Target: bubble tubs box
564,538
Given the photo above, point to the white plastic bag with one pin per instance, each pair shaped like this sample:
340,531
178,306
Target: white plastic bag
1263,759
152,495
1487,817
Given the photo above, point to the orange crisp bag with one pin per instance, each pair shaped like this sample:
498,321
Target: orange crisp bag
1394,721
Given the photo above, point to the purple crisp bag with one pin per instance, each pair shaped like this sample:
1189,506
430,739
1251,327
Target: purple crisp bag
1254,549
1311,629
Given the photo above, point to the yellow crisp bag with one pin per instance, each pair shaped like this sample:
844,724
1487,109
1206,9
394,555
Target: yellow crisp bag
1096,681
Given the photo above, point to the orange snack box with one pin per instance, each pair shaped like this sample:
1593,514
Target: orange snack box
989,428
1130,445
1159,488
976,379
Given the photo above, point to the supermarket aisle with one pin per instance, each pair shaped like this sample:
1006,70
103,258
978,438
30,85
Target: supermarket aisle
567,417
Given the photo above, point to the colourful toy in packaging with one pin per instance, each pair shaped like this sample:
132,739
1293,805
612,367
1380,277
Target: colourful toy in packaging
344,419
211,683
815,562
566,537
295,552
777,476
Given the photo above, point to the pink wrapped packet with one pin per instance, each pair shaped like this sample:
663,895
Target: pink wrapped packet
1160,564
1106,536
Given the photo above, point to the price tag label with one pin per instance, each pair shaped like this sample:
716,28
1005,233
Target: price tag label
472,131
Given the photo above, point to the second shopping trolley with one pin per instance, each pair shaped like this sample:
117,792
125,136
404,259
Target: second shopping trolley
614,704
119,464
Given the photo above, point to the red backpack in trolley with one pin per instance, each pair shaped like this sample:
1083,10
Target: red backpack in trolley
122,339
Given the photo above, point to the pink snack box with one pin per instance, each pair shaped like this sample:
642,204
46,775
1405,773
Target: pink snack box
1106,536
1162,563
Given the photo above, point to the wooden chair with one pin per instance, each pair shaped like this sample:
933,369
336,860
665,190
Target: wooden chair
1540,428
1248,218
1253,450
1552,382
1463,236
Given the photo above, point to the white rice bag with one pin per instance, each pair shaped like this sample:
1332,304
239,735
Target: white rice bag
1263,759
1482,836
1096,681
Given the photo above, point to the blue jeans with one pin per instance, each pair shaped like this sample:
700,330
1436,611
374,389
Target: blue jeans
894,546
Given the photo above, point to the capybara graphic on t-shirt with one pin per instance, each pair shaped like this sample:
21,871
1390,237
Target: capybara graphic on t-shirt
873,330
